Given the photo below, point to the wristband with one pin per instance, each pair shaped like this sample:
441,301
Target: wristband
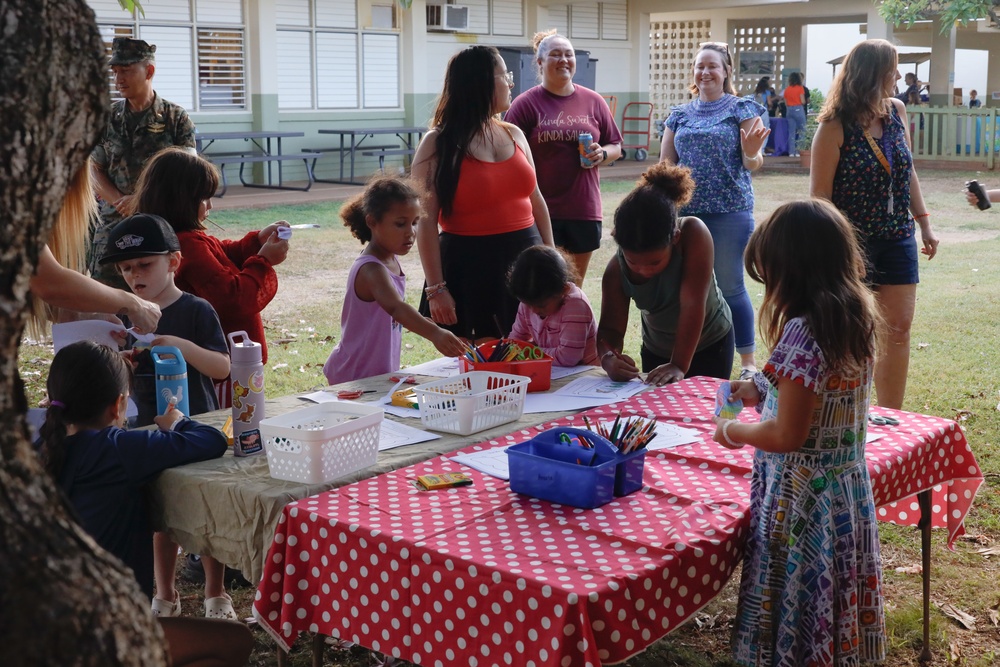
605,155
182,418
922,215
725,434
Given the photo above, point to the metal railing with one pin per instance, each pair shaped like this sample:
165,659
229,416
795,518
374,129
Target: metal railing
955,134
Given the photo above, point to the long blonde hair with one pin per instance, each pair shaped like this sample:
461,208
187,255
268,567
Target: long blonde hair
68,242
858,93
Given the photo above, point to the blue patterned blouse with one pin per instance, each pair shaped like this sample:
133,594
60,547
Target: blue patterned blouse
707,140
861,185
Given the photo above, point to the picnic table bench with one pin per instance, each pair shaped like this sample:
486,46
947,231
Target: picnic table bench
260,152
381,152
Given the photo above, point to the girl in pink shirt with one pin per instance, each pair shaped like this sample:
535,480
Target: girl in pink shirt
371,324
554,313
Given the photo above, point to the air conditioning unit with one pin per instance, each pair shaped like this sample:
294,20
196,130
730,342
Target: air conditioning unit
447,17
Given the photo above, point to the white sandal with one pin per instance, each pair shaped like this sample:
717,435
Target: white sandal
165,608
220,607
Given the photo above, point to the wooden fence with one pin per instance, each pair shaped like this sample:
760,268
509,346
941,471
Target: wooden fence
955,134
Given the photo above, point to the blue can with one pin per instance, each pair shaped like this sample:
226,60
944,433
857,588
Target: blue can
585,139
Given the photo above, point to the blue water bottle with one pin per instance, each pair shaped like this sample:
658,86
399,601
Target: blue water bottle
170,370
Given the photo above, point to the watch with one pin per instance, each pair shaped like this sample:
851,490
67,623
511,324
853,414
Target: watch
605,155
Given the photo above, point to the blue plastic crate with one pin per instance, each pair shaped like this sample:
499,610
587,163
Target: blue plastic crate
628,472
545,467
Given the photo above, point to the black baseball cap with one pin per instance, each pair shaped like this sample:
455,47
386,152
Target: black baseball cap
140,235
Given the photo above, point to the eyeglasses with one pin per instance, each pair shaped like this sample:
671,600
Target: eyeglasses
508,77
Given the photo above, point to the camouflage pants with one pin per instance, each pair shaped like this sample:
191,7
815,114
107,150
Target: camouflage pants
105,273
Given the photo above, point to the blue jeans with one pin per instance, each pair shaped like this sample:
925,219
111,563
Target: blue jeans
796,117
730,233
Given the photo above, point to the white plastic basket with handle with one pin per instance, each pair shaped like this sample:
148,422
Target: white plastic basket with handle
322,442
471,402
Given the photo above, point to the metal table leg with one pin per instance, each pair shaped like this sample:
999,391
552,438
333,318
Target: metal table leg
924,501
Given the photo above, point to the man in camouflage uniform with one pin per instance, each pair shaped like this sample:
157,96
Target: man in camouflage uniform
141,124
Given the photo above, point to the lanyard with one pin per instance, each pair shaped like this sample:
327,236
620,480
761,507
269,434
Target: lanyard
884,156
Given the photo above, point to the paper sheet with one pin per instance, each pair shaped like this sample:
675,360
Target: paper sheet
490,461
321,396
566,371
546,402
603,388
98,331
669,436
442,367
393,434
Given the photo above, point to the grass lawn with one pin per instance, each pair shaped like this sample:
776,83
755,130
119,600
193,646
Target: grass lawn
953,373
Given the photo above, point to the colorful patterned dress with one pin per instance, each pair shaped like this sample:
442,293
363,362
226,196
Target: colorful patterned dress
811,589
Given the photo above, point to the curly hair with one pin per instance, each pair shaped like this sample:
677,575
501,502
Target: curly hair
647,217
377,198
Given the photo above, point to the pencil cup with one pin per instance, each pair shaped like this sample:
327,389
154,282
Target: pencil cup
628,472
556,465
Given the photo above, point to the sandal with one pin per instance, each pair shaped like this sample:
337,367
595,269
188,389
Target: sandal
165,608
220,607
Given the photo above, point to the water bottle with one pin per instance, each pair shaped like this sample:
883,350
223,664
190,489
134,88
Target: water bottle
170,371
247,373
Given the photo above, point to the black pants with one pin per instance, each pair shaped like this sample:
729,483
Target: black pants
715,361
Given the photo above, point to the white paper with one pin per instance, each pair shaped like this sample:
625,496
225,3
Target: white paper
566,371
546,402
872,437
98,331
141,337
490,461
394,434
603,388
442,367
321,396
669,436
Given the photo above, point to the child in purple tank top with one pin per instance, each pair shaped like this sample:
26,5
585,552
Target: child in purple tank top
371,324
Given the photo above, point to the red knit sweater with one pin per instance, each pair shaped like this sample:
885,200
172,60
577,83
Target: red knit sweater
232,277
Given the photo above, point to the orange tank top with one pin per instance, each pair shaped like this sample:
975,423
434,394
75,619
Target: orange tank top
492,197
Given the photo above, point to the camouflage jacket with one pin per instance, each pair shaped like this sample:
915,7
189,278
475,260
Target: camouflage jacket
123,151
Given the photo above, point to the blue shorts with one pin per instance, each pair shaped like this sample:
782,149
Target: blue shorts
892,261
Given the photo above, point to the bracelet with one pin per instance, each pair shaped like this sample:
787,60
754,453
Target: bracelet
922,215
754,158
432,291
725,433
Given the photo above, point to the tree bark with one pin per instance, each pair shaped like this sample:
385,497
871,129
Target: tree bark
63,600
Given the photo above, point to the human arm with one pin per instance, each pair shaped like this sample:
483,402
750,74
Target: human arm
613,323
787,432
522,329
753,137
107,191
209,363
64,288
539,209
442,305
230,275
918,208
826,145
146,453
696,279
273,248
576,326
668,152
992,195
373,283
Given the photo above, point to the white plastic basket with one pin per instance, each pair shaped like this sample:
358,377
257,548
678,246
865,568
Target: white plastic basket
471,402
322,442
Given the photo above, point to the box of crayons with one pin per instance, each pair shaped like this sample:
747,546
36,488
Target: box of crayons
514,357
629,436
568,466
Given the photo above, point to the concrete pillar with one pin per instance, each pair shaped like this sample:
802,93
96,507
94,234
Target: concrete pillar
795,50
263,64
413,61
877,26
639,29
942,77
992,77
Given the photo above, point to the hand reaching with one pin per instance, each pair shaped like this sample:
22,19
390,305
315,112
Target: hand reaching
753,141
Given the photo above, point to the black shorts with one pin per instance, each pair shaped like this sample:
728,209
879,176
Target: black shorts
577,236
892,261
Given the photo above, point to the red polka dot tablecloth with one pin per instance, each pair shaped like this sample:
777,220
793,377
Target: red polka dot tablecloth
479,575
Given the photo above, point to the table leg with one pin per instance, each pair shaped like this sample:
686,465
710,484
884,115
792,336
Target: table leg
318,646
924,501
282,657
281,178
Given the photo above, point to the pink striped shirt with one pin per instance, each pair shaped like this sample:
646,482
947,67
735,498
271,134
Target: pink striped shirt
569,335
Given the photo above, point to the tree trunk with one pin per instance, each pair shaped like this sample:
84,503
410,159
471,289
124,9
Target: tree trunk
63,601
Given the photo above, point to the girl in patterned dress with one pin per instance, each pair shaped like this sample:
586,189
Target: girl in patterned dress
811,587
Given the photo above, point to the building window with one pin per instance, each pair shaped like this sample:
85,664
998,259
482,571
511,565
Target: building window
329,60
606,20
200,49
486,17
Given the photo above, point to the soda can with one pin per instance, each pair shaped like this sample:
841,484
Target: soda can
585,138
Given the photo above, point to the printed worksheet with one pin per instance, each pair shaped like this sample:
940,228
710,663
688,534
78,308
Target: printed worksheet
442,367
490,461
670,435
393,434
566,371
603,388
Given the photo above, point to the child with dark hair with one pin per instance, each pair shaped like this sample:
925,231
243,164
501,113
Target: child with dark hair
554,314
102,469
237,277
664,264
371,324
811,587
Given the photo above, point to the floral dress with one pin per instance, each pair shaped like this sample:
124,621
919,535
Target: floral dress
811,591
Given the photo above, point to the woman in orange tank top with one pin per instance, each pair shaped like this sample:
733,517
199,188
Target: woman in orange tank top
482,205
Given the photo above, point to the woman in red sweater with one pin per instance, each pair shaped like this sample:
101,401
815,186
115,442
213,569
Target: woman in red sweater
236,277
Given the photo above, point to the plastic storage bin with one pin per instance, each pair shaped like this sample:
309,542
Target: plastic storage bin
538,371
547,468
323,442
471,402
628,472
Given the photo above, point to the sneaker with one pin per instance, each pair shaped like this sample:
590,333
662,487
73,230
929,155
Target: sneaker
220,607
166,609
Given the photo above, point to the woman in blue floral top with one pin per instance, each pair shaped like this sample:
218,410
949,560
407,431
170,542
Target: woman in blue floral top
861,162
719,136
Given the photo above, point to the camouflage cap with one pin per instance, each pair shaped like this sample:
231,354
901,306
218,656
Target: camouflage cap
125,51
